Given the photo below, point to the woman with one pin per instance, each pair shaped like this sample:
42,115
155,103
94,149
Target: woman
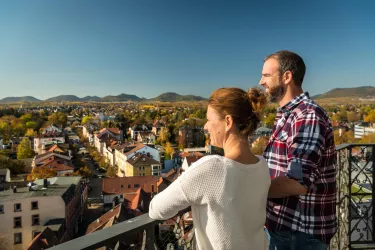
227,194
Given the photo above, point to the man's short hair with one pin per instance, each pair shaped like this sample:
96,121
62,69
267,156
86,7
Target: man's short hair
290,61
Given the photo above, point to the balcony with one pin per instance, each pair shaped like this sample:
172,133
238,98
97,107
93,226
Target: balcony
355,204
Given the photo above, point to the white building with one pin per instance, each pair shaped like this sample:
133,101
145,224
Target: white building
88,131
4,175
42,140
54,202
51,129
125,153
360,130
105,136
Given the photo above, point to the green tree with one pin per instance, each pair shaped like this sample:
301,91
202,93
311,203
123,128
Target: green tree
5,130
86,119
85,172
26,118
111,171
352,116
18,127
58,118
259,145
200,113
41,173
345,137
25,150
169,151
31,125
164,135
342,116
15,167
369,138
30,132
269,120
370,117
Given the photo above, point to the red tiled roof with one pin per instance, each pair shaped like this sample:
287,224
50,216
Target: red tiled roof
192,159
58,164
115,131
47,238
105,218
142,159
145,133
113,185
133,198
172,171
55,147
133,148
50,135
184,154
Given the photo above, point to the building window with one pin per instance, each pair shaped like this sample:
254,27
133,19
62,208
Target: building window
35,219
129,186
17,238
122,186
121,196
136,185
1,209
34,205
17,222
17,207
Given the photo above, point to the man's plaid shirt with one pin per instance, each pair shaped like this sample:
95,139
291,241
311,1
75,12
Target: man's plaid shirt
302,147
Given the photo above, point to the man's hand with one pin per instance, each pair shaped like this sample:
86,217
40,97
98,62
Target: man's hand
282,186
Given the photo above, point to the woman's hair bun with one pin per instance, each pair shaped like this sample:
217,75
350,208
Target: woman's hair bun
258,100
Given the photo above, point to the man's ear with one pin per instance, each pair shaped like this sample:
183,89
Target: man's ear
287,77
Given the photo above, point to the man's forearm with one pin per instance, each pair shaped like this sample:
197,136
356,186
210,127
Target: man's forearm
282,187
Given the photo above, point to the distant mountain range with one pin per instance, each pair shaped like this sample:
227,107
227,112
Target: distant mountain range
166,97
358,92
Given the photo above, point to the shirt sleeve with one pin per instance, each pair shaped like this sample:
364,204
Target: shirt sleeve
183,192
305,149
166,204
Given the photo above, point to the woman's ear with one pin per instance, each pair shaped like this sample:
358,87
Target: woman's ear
228,123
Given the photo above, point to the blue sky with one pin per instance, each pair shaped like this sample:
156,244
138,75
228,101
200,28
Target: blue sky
48,48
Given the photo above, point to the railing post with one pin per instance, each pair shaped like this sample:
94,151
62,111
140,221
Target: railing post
373,190
150,237
338,198
349,156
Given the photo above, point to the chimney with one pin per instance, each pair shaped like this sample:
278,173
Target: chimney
14,189
45,183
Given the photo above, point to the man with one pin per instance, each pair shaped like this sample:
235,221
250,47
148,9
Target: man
301,155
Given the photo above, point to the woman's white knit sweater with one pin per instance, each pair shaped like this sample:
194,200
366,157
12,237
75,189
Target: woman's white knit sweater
228,202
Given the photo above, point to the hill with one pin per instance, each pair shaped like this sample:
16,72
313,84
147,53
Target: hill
64,98
359,92
19,99
174,97
121,98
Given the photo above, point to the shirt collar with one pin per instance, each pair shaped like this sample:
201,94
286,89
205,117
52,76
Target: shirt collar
294,102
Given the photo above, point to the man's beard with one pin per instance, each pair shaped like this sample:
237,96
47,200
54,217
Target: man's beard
276,93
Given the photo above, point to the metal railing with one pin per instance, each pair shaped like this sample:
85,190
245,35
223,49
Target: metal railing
355,203
141,232
355,197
